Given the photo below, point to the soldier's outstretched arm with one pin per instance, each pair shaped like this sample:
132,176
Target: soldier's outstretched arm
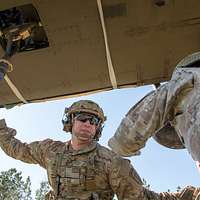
140,123
33,153
151,113
187,193
127,185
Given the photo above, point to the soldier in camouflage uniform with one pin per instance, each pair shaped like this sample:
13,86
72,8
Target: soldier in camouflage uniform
82,169
171,114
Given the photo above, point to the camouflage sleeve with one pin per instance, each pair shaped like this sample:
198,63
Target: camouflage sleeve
151,114
127,184
140,123
124,180
34,153
187,193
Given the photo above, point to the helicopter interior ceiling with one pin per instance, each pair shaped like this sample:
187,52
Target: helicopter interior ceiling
88,46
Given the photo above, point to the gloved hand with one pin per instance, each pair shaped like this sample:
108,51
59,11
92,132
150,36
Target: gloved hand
190,193
6,130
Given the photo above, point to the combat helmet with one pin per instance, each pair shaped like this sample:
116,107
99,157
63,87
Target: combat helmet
86,106
167,135
192,60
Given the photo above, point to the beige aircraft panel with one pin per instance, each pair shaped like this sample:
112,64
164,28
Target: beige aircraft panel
146,41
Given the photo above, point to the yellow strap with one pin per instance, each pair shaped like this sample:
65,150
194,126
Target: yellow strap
9,82
108,56
14,89
10,66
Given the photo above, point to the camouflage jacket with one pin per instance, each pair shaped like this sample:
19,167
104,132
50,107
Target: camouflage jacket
176,103
92,173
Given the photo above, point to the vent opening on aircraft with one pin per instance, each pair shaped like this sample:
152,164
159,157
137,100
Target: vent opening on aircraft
20,30
24,24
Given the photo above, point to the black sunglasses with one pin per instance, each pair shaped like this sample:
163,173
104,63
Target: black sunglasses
84,117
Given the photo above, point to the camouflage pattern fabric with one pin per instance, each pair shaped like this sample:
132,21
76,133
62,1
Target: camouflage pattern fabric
92,173
50,195
176,102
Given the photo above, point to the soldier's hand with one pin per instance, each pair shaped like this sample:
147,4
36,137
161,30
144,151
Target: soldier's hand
6,130
190,193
